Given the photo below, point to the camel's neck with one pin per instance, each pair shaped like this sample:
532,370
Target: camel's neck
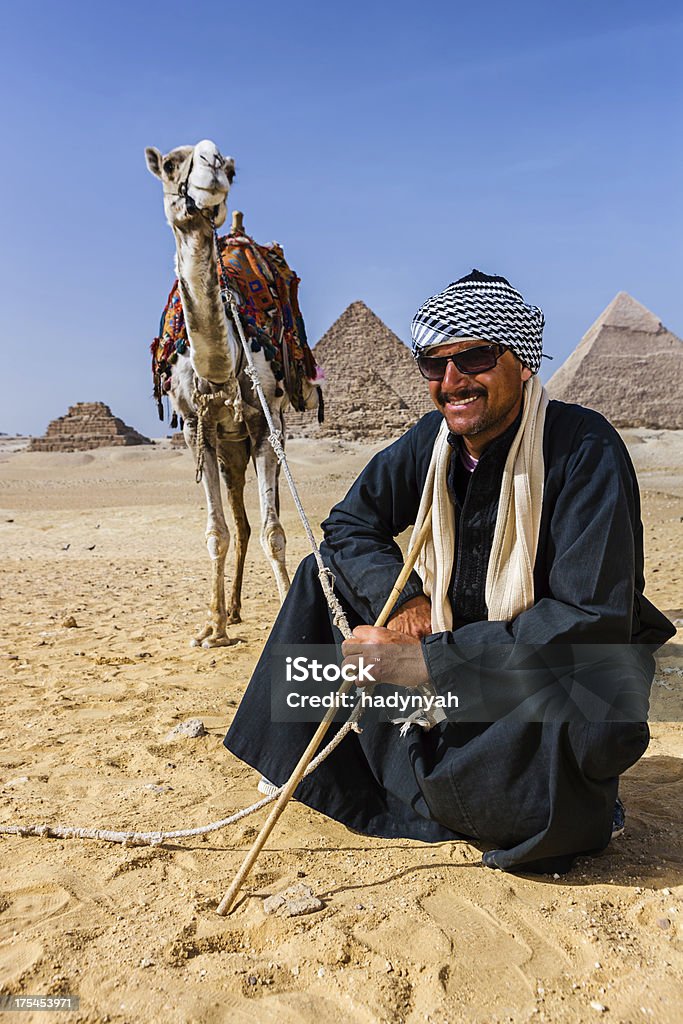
207,326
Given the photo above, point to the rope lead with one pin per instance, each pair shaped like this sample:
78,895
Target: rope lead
206,431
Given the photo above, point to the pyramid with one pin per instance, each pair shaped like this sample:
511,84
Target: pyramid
627,366
373,389
86,425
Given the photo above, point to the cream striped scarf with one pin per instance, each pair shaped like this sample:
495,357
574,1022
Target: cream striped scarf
510,575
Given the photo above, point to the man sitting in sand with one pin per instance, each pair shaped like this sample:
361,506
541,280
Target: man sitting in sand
535,545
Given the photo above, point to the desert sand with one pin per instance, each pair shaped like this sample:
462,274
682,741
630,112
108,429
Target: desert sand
408,932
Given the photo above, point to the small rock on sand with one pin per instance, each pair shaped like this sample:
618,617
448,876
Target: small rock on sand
293,902
69,622
192,729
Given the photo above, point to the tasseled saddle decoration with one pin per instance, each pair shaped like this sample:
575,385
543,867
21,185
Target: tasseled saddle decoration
270,314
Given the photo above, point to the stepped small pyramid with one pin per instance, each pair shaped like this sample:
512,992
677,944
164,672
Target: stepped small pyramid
373,388
627,366
86,425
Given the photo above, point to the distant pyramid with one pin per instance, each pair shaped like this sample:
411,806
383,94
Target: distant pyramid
373,388
86,425
627,366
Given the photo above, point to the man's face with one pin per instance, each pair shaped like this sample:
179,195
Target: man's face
479,406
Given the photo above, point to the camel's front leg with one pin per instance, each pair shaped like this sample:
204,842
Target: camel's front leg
273,538
234,459
217,541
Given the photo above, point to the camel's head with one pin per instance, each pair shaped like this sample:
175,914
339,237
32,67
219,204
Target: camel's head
196,182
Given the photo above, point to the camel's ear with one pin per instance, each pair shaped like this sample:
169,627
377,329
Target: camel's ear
230,168
153,158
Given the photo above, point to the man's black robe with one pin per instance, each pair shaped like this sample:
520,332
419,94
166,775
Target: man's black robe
538,792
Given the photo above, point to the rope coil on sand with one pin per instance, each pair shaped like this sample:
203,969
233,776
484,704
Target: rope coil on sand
130,838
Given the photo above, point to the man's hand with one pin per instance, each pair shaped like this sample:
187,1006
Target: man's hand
390,656
414,618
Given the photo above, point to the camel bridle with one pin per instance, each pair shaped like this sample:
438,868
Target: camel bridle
183,189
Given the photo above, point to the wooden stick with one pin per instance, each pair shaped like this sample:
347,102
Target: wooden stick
237,223
295,778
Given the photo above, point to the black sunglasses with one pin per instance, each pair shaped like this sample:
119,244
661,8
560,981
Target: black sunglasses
472,360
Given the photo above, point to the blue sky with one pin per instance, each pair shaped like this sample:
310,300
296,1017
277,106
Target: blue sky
390,147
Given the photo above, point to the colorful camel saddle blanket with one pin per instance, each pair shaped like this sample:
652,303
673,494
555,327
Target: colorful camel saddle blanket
268,298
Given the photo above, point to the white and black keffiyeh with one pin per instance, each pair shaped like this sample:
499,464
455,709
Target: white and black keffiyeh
483,308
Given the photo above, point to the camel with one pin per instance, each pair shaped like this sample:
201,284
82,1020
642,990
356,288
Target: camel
223,422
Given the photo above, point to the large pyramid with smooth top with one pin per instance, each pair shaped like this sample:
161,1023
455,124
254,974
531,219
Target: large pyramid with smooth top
627,366
373,388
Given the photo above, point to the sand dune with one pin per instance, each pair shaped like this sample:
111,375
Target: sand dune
408,932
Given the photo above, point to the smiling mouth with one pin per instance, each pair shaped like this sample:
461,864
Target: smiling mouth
457,403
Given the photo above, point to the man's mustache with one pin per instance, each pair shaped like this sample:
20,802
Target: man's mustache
459,396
